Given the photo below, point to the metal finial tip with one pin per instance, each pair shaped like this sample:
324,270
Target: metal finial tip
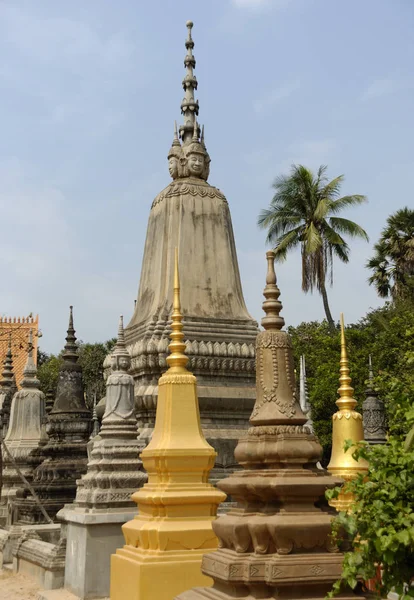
189,24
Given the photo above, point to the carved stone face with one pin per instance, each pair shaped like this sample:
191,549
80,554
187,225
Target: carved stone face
173,167
124,363
121,363
196,164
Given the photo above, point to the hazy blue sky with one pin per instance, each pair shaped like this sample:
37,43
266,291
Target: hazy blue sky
88,96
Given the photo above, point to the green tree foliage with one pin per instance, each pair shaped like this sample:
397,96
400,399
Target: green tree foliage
303,213
380,527
386,333
48,370
392,265
91,358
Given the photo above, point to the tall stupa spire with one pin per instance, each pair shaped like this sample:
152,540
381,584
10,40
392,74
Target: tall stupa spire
189,105
219,332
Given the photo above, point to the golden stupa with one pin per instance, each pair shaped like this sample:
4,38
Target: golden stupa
347,425
166,541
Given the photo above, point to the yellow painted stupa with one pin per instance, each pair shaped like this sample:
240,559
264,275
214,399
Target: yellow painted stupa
347,425
165,542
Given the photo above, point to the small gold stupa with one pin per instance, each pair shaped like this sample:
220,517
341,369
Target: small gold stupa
167,539
347,425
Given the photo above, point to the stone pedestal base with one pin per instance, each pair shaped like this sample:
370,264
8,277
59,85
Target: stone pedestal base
91,539
42,561
246,576
48,533
141,575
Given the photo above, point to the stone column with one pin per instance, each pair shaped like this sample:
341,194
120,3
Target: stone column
165,542
276,543
103,500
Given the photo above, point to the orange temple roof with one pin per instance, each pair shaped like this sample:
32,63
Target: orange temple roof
18,328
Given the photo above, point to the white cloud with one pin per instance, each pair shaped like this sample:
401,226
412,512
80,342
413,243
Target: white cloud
264,104
385,87
52,39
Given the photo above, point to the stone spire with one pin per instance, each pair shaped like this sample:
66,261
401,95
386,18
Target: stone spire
65,453
373,412
30,379
167,539
50,399
191,159
189,105
7,389
347,425
7,379
218,330
24,434
303,393
277,542
276,401
69,393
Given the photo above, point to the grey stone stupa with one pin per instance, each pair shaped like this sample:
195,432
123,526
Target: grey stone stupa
194,216
65,453
373,413
103,499
24,435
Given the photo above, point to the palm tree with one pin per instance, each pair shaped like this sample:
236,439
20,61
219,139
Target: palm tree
393,262
302,213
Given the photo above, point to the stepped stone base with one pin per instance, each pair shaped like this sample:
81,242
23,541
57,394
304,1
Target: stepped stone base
42,561
92,536
48,533
60,594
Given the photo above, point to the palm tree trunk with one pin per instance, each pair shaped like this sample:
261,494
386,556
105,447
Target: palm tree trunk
326,306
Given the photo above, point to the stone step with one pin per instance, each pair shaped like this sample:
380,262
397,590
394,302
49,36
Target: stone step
60,594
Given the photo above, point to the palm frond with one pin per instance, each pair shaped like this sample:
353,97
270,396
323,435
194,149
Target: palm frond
348,227
287,242
340,203
331,189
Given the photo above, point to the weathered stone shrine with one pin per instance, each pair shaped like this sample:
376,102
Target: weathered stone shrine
103,499
373,413
172,530
194,216
64,454
23,436
276,543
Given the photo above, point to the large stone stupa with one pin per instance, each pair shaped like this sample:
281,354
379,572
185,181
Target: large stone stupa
220,334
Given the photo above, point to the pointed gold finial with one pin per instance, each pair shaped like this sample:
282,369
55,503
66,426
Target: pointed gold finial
345,389
177,360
